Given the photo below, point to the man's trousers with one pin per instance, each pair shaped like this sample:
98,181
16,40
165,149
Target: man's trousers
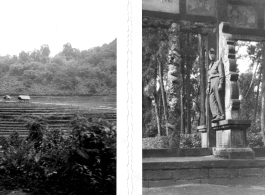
215,99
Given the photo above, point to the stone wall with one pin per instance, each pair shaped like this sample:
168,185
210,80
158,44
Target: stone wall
213,171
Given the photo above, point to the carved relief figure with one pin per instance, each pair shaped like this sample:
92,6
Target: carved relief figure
200,7
215,86
242,16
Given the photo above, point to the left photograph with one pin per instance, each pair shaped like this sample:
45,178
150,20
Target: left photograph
58,64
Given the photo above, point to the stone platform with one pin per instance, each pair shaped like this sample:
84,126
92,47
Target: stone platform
161,171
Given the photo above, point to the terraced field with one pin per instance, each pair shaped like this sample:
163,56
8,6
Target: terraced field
57,116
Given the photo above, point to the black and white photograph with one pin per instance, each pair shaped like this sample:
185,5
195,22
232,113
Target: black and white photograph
203,97
152,97
58,90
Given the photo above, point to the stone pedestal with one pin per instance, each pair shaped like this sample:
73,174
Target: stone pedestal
231,141
203,130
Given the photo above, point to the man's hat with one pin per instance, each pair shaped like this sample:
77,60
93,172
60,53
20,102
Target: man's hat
212,50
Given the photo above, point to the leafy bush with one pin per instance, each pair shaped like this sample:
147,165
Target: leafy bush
50,161
190,140
254,139
156,142
186,141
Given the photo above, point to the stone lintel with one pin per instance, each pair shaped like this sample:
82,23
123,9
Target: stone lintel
202,128
204,135
234,33
234,153
235,122
232,124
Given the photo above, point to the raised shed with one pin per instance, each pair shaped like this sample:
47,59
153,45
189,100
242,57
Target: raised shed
23,98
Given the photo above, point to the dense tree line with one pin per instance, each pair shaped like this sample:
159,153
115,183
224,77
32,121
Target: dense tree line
70,72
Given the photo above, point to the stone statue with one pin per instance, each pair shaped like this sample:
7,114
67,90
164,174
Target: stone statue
215,86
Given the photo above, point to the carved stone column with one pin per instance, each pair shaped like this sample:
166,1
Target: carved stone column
228,55
230,133
173,62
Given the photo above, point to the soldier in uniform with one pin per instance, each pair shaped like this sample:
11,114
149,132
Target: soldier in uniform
215,86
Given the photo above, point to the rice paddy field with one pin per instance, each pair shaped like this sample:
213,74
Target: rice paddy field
57,110
88,103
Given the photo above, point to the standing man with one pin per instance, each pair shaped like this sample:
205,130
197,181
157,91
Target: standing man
215,86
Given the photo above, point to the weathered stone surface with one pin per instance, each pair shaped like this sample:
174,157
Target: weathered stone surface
147,153
202,128
242,16
235,122
238,138
223,173
206,9
234,153
160,153
200,162
251,172
161,6
162,165
203,170
160,174
243,163
204,139
217,181
145,184
195,152
191,165
248,181
147,174
259,152
190,173
223,138
215,163
161,183
189,181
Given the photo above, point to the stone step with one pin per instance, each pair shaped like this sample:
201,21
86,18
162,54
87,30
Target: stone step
167,171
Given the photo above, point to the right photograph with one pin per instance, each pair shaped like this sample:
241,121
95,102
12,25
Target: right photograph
203,96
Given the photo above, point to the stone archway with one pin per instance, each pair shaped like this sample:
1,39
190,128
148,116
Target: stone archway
231,133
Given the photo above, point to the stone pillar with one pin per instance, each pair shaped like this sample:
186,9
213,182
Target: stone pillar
230,133
173,62
204,136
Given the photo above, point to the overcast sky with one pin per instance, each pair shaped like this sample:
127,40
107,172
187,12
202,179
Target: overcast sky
28,24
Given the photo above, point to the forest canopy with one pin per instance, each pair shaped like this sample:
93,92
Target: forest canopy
70,72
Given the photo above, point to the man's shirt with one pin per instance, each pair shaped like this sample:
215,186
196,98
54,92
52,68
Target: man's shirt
216,69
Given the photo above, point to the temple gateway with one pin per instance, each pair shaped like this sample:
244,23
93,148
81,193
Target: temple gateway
219,24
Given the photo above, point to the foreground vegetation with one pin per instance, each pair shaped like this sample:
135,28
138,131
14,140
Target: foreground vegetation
193,140
49,161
